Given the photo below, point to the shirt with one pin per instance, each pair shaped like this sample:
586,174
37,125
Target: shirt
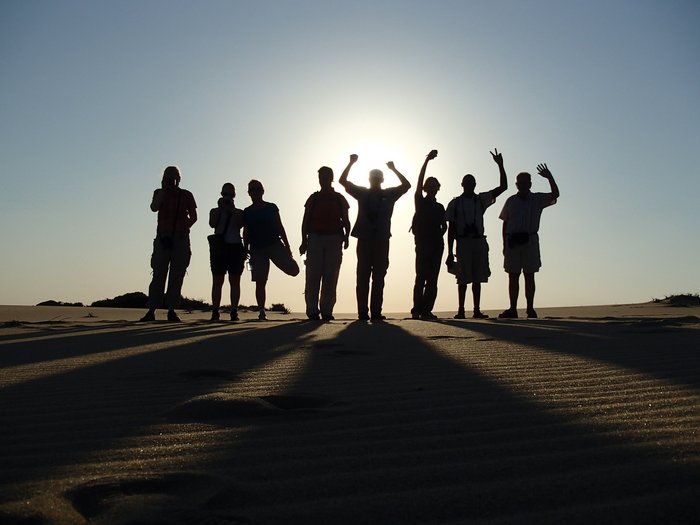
174,211
325,212
233,232
261,225
375,208
523,213
469,211
428,220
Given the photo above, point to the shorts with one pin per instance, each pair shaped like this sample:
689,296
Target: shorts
472,260
226,258
525,258
277,253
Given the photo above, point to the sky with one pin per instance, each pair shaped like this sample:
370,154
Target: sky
98,97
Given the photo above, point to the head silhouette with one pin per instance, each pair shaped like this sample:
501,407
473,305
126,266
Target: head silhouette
376,177
431,186
228,191
523,181
325,177
468,183
255,190
171,175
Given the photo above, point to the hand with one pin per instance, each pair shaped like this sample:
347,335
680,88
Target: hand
346,243
432,154
302,248
543,170
391,166
497,157
353,158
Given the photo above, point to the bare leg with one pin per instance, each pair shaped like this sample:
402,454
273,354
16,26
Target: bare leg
260,296
514,289
476,294
461,296
530,291
235,282
217,281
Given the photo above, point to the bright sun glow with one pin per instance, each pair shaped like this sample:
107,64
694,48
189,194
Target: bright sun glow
375,155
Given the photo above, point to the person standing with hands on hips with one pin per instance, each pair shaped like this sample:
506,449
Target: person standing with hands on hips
177,212
372,230
521,243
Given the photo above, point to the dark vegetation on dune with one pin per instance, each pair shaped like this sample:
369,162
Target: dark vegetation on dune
140,300
682,300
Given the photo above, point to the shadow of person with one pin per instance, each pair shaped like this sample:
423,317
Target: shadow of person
386,424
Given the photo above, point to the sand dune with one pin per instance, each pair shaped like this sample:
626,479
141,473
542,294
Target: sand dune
588,414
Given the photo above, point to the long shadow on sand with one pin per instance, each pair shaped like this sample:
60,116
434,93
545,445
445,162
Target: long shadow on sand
382,427
67,416
664,348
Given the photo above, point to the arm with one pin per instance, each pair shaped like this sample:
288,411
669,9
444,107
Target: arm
421,177
191,209
214,216
304,232
405,185
283,234
451,236
543,170
157,199
346,228
343,180
503,183
505,236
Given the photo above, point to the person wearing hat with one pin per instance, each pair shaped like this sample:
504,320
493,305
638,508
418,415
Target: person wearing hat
177,212
324,234
428,227
372,230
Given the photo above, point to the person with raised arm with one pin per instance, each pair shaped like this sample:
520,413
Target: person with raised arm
521,243
465,215
428,227
372,230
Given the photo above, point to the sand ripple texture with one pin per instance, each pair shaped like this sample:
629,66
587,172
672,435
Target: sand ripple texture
548,421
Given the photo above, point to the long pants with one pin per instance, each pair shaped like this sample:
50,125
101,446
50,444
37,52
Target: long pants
323,258
173,261
428,261
372,261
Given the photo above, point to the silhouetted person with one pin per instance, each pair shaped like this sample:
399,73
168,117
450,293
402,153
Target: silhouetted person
324,233
428,227
177,212
265,239
226,252
521,244
466,225
372,230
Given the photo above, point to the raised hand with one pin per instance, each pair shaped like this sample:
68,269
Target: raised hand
353,157
432,154
390,165
543,170
497,157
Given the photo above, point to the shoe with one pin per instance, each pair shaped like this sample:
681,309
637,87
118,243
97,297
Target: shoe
149,317
234,315
262,316
314,317
328,317
478,314
531,314
363,317
172,316
460,315
511,313
378,317
415,316
429,316
214,315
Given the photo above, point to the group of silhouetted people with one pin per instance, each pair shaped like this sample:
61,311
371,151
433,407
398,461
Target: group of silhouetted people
257,234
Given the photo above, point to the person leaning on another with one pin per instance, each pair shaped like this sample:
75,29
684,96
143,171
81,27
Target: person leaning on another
266,240
324,233
177,212
226,252
521,244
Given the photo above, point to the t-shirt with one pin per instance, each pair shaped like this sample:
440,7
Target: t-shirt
261,225
428,220
325,212
233,231
174,211
469,211
375,208
523,213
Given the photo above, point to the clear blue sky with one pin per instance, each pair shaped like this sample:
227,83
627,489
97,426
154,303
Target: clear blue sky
97,97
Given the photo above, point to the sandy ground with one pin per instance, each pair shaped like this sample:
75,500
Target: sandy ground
588,414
